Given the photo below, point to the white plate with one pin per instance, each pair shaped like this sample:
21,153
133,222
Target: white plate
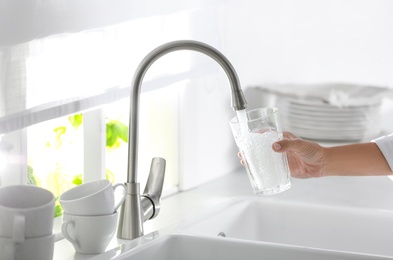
337,112
334,135
331,127
325,105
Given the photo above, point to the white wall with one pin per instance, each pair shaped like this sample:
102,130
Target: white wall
286,41
306,41
310,41
26,20
267,41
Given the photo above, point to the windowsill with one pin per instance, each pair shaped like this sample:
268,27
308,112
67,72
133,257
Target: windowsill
351,192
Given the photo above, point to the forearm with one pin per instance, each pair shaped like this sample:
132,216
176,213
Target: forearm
355,160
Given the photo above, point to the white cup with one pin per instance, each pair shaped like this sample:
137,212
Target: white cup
92,198
25,212
89,234
38,248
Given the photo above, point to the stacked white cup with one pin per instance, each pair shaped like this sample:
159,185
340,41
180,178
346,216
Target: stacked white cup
26,223
90,215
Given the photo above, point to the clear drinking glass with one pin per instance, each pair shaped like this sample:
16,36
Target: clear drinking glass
255,132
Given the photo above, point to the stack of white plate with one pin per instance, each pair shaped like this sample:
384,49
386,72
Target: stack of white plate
321,121
330,112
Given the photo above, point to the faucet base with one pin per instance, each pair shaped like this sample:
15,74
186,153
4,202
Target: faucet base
130,220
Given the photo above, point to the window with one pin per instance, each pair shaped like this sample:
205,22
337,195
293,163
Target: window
89,73
56,148
61,77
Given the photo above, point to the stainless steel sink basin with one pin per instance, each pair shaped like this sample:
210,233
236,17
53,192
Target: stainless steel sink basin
306,225
181,247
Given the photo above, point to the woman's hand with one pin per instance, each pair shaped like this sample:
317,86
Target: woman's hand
308,159
305,158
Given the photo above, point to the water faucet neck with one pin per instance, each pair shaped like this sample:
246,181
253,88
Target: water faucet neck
132,215
237,98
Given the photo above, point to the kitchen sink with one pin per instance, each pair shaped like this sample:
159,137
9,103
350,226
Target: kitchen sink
325,227
180,247
268,228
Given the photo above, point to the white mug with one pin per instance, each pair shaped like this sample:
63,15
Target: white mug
7,248
92,198
26,212
89,234
38,248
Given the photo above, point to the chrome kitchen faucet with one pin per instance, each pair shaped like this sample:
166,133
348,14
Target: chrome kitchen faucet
137,208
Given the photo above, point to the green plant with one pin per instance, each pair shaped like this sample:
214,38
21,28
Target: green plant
30,176
58,180
76,120
115,131
77,180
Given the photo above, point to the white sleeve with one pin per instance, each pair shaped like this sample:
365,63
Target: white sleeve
385,144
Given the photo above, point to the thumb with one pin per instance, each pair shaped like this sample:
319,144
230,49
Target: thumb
285,145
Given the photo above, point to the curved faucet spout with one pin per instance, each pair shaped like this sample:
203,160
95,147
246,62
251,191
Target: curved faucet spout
238,103
237,98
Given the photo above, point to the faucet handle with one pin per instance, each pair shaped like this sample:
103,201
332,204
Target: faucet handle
151,198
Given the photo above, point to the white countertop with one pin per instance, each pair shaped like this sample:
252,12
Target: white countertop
359,192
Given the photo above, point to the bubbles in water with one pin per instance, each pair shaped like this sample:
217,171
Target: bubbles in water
265,167
268,171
